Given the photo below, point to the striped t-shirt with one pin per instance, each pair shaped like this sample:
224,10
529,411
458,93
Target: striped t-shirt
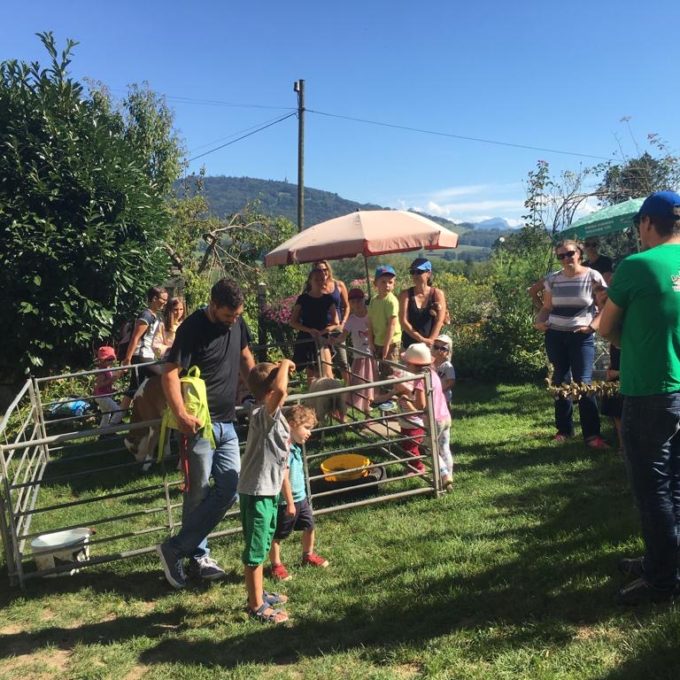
573,298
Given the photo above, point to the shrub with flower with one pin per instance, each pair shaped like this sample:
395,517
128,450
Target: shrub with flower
276,317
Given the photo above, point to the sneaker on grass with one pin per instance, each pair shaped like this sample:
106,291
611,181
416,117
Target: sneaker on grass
597,443
631,567
172,566
279,573
314,560
205,568
640,592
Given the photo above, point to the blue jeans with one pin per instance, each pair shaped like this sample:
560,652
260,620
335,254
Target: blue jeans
651,439
572,354
205,506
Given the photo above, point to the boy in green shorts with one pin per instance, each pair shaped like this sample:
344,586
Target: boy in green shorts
263,468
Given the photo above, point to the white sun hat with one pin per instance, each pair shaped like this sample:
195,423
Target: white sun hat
418,354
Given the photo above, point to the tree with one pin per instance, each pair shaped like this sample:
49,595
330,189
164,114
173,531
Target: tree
641,176
82,216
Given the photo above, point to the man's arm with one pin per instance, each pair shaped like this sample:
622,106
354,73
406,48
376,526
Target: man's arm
247,363
172,388
610,323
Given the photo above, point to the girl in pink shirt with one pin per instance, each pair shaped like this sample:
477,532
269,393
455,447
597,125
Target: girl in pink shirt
418,359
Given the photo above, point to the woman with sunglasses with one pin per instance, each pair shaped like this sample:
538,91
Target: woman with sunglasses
338,291
569,318
422,307
314,316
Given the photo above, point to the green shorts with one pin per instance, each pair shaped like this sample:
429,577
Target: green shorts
258,517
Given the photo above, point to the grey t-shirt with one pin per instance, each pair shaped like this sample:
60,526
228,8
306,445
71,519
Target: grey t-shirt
266,455
144,348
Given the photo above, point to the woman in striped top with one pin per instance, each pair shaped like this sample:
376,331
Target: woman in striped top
569,317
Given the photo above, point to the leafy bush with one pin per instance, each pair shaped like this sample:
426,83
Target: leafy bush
81,211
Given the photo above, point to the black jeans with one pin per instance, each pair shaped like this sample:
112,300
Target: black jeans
651,439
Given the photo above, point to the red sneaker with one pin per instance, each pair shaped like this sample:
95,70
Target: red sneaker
597,443
279,573
314,560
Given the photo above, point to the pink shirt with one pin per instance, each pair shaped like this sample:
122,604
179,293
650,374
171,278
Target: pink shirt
103,385
441,409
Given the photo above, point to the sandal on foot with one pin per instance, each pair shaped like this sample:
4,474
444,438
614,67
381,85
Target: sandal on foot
274,598
274,616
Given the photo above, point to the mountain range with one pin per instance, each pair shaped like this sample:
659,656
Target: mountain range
228,195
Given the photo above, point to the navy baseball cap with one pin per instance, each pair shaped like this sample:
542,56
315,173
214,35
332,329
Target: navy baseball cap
661,204
384,270
420,264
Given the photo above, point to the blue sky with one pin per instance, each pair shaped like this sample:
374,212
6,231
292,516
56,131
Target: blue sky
546,74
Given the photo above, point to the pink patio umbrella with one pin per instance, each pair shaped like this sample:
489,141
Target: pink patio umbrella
365,232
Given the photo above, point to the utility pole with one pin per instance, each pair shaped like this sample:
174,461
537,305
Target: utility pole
299,87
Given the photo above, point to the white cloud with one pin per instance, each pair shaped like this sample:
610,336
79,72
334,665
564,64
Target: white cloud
471,203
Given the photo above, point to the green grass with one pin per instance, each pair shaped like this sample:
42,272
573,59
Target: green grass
510,576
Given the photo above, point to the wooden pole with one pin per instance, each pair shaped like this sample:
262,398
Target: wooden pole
299,87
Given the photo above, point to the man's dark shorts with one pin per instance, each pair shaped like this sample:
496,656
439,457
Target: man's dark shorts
301,520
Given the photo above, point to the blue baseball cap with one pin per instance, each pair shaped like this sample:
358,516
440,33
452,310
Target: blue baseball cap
420,264
384,270
661,204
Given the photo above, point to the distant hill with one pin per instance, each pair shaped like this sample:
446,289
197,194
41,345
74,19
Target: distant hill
482,237
228,195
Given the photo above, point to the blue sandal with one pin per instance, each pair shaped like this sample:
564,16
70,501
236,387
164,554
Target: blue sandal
273,617
274,598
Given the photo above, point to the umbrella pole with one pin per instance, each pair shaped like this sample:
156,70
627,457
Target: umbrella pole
368,280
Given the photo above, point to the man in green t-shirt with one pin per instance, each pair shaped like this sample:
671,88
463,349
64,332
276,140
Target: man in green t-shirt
642,316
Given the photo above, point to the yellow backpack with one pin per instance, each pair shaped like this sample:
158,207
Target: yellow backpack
195,398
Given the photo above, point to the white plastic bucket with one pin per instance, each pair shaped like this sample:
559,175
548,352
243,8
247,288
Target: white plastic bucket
61,548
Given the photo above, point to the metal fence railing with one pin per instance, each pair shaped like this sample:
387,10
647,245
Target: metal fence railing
64,473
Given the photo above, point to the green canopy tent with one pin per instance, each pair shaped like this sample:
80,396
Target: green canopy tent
606,221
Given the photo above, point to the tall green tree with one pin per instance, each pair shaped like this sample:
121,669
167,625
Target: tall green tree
638,177
82,212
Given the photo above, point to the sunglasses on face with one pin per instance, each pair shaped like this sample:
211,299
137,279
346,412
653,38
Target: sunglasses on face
440,348
569,253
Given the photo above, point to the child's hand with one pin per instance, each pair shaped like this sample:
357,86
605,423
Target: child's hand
290,509
287,363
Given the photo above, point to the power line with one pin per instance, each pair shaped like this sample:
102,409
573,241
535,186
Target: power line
180,99
233,134
218,102
454,136
238,139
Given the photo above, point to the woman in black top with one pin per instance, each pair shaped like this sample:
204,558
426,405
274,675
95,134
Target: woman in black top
422,307
310,317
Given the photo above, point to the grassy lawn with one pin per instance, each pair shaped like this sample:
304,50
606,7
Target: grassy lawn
512,575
